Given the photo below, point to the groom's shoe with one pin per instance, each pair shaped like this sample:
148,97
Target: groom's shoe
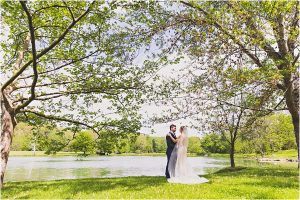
167,175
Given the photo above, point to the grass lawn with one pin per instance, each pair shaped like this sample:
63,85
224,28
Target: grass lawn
40,153
261,182
290,154
284,154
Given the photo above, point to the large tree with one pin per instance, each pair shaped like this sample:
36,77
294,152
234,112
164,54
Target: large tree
266,32
70,63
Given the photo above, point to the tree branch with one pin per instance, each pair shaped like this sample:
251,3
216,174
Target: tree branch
50,47
52,117
64,65
257,34
237,41
70,11
34,58
294,27
279,35
90,90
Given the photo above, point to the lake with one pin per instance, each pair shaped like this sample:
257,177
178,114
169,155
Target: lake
29,168
37,168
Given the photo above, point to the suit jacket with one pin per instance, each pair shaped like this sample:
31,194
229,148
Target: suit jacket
170,143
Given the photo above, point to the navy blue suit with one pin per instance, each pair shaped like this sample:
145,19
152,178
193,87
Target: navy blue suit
170,147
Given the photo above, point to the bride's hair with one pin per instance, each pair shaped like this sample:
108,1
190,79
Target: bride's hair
181,128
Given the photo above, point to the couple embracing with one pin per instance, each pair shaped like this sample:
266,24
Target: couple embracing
178,169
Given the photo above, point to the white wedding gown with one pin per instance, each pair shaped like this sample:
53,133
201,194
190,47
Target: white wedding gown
179,169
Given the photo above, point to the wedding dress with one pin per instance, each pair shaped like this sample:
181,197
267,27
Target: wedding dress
179,168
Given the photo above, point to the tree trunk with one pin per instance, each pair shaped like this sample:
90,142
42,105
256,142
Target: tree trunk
292,102
296,130
232,164
8,123
6,140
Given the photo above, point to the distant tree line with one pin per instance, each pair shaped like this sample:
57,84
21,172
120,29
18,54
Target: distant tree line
268,134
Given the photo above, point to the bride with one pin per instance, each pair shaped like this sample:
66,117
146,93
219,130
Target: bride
179,168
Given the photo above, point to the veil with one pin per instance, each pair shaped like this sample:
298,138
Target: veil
172,161
185,140
179,168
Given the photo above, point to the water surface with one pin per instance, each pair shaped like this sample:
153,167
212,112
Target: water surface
37,168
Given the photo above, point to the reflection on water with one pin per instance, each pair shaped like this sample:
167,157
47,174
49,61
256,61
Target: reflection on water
69,167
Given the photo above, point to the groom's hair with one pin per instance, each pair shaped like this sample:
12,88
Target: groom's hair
172,125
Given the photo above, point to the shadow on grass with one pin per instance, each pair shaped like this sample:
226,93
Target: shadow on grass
277,177
258,171
88,185
68,188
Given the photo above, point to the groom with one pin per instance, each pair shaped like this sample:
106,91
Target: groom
170,146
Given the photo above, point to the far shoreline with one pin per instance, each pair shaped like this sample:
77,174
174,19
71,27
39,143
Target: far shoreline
280,156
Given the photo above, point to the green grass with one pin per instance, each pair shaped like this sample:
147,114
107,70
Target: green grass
264,182
290,154
40,153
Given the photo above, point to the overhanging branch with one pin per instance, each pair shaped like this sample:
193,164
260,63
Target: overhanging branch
57,118
46,50
220,27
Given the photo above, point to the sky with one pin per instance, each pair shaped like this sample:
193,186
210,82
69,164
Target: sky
166,72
